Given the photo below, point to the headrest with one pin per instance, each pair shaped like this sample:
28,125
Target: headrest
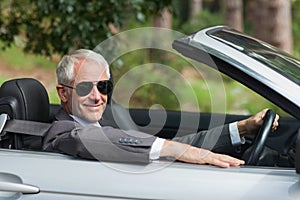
30,98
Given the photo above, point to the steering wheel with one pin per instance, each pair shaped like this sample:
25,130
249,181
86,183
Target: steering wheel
252,154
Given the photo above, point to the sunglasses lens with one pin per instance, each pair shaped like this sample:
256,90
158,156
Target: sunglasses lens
105,87
84,88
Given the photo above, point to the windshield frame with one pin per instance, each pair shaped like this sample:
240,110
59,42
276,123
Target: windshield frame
272,57
256,75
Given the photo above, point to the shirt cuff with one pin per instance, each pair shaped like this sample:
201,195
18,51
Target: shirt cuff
235,137
156,148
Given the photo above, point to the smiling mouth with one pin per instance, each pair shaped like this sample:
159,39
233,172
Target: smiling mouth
94,105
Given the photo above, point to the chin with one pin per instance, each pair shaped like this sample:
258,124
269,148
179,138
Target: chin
94,118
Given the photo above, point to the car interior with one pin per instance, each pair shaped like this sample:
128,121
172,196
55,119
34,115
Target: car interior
27,99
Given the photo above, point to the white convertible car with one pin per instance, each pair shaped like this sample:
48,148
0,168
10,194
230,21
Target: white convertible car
273,160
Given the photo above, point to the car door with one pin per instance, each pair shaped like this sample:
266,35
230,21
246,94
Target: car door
40,175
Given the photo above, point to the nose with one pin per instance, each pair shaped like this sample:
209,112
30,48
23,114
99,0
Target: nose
95,95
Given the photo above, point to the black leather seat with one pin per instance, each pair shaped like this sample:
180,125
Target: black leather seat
24,99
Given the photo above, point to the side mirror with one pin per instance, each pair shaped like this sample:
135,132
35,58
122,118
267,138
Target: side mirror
297,159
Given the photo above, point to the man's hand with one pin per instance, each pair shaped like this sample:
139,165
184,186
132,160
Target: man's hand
190,154
252,124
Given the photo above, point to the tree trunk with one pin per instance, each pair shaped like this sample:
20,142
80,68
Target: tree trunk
164,19
259,19
234,14
195,8
272,22
280,28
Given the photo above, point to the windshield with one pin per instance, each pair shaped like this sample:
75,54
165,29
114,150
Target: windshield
263,52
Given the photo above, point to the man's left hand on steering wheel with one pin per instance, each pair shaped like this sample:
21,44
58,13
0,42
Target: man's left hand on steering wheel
261,123
253,153
252,124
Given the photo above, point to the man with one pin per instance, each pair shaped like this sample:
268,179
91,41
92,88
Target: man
84,86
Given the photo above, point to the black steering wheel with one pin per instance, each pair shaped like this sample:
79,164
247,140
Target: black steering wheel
252,154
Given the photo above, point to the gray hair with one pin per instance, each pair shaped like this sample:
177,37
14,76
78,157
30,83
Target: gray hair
65,68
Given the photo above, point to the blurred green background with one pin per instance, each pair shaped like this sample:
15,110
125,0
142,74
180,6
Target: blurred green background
35,34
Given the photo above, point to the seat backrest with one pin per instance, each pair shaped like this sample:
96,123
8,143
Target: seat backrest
25,99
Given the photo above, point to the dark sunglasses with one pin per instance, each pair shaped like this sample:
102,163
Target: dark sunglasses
84,88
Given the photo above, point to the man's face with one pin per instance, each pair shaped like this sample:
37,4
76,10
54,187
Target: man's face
91,106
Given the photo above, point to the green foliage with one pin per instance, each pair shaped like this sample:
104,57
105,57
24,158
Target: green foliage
57,26
2,80
153,7
53,97
243,100
151,93
146,97
14,57
296,27
203,20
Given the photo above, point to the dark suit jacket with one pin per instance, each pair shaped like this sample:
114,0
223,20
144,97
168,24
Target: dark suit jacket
111,144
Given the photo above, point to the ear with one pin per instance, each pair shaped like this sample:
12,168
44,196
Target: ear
62,93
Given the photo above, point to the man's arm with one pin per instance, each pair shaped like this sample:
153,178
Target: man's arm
190,154
109,144
100,143
224,138
216,139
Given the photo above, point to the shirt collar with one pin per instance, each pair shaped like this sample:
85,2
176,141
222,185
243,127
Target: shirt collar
84,122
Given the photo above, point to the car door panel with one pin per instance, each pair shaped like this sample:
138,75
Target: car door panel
62,177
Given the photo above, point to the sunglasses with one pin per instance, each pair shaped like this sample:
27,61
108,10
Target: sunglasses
84,88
